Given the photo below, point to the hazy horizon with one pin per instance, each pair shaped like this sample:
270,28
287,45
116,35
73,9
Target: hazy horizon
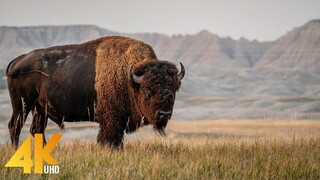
263,21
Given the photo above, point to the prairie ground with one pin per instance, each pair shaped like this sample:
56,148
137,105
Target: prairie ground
223,149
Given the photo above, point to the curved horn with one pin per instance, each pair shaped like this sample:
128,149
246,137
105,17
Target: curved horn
135,78
181,73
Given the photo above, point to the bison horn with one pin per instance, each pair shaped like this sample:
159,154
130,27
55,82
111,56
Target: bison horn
181,73
135,78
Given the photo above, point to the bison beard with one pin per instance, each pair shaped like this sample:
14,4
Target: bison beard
160,127
114,81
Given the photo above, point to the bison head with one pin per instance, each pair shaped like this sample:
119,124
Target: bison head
155,84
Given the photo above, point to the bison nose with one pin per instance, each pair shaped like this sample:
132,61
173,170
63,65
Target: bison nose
164,115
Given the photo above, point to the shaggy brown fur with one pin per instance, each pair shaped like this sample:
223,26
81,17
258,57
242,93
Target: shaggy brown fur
93,82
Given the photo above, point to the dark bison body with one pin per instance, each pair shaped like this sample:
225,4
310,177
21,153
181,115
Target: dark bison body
115,81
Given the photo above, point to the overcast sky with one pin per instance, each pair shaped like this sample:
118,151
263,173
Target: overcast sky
253,19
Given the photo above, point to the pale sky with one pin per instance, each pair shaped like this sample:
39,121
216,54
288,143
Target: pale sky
252,19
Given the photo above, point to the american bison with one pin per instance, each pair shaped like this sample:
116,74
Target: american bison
115,81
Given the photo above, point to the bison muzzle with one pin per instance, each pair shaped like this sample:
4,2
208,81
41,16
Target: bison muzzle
115,81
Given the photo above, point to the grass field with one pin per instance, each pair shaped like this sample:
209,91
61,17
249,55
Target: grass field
194,150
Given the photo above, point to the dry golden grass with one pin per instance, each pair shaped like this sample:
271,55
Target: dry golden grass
221,149
241,130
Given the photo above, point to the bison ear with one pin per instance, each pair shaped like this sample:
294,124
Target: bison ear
135,78
181,73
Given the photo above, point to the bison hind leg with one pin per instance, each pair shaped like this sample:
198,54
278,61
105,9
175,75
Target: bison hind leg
15,125
13,129
39,123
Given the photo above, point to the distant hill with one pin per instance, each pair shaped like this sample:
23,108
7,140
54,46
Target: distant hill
203,50
299,48
225,78
207,51
17,40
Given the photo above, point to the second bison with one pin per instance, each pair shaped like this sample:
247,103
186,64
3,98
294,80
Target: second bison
115,81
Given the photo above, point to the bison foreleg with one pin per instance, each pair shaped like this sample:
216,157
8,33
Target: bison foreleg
111,134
